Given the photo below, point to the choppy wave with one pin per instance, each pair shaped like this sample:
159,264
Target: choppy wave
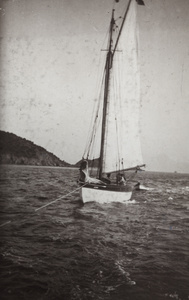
73,251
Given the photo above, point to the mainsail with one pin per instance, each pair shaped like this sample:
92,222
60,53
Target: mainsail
122,143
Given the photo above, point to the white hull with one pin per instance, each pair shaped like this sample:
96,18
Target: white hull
101,195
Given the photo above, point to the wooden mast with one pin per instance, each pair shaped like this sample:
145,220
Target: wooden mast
109,61
106,91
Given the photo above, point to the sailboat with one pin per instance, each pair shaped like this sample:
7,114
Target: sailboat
117,117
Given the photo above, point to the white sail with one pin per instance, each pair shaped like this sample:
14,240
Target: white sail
122,143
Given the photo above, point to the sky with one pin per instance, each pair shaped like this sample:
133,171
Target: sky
49,60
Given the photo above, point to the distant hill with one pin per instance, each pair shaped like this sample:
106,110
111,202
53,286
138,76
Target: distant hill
19,151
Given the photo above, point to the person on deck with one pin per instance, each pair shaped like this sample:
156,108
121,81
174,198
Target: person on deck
120,179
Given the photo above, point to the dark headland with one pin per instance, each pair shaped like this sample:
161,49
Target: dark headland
19,151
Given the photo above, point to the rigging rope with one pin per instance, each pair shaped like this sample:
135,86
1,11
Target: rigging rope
58,198
43,206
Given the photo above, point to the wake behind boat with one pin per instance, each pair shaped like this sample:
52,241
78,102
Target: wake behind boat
116,122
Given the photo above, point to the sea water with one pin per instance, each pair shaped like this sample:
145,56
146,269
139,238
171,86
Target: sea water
71,251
